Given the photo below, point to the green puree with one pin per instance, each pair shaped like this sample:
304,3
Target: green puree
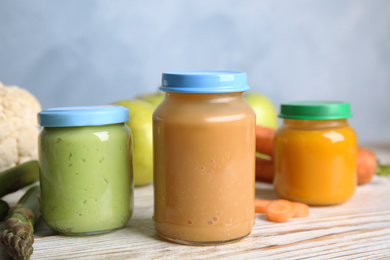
86,178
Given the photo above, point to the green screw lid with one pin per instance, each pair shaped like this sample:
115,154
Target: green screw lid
315,110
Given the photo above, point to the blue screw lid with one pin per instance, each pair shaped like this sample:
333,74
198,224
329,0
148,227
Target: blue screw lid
83,116
204,81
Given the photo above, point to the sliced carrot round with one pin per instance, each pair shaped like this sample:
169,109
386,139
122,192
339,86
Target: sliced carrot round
260,205
301,210
280,210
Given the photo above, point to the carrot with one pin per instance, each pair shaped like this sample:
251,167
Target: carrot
366,165
264,169
280,210
265,140
260,205
301,210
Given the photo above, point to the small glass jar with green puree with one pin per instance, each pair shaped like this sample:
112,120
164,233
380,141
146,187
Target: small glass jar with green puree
85,161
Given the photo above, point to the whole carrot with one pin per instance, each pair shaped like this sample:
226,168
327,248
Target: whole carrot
265,140
264,169
366,165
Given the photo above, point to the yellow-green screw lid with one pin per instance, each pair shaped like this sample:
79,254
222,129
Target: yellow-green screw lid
315,110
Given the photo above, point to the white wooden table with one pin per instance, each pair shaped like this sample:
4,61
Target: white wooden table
357,229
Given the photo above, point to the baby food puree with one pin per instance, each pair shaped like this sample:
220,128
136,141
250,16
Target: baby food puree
85,169
315,153
204,157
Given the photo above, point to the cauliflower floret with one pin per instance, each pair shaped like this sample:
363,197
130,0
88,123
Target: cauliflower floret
18,126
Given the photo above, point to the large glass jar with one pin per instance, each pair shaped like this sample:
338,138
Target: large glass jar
85,169
204,158
315,153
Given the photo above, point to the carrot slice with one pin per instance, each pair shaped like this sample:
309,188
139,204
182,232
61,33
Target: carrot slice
280,210
260,205
301,210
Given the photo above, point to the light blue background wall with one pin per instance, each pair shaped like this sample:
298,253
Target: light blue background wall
86,52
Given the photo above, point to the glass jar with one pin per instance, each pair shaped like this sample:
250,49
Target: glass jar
204,158
315,153
85,169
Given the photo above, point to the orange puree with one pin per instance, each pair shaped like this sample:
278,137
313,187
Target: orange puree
204,159
315,161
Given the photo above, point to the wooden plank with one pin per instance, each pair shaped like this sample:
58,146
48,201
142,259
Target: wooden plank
357,229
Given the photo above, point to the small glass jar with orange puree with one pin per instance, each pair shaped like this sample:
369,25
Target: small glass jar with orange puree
204,158
315,153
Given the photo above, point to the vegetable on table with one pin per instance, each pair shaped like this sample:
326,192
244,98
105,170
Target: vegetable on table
280,210
383,170
18,177
265,140
264,169
366,165
19,227
260,205
19,126
4,208
302,210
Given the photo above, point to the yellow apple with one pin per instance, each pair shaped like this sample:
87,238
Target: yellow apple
152,98
264,108
141,127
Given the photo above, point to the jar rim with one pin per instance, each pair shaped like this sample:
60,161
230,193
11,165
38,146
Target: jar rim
83,116
204,81
315,110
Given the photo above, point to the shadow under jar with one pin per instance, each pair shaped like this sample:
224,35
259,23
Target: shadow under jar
204,158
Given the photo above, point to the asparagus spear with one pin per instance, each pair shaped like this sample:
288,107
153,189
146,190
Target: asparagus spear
19,227
18,177
383,169
4,208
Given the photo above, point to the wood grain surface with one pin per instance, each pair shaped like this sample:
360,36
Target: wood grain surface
357,229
